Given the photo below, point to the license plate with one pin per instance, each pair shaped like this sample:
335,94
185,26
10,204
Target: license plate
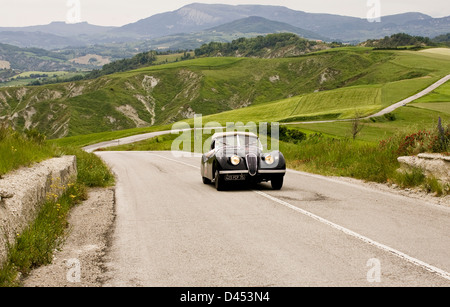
234,177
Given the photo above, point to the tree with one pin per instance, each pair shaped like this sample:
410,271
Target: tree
356,125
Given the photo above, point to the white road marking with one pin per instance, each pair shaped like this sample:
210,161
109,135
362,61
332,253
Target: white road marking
177,161
399,254
349,232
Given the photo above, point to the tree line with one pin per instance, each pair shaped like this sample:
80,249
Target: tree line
254,46
138,61
400,40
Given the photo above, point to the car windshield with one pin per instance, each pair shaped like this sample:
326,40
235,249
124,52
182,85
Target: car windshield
238,141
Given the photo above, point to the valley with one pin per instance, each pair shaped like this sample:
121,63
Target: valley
323,85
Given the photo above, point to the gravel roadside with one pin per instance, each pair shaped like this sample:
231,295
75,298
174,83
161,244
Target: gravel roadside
81,260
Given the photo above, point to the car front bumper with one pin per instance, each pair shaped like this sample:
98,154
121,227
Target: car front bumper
260,172
244,175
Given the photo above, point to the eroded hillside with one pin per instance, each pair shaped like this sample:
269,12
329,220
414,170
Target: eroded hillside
168,93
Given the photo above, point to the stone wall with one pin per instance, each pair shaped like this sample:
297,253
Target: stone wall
22,193
434,165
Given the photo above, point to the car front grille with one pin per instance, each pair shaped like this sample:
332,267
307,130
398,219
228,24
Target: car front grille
252,164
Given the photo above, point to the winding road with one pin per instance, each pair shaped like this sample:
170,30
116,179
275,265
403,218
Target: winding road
172,230
389,109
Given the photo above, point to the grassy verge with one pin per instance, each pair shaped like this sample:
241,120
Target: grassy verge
94,138
37,243
35,246
342,156
18,149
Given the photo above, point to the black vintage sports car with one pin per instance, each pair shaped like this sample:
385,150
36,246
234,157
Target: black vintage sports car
239,157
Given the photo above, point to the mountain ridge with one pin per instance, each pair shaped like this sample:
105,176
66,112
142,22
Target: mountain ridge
198,17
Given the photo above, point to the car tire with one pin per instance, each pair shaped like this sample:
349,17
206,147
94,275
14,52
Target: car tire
218,181
277,183
206,180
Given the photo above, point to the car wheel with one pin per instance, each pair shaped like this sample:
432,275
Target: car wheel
206,180
277,183
218,180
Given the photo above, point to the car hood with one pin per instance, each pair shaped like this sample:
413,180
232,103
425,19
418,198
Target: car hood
229,151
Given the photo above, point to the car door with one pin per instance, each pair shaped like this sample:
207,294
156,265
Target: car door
208,162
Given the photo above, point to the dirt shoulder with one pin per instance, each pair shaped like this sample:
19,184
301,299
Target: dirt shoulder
81,260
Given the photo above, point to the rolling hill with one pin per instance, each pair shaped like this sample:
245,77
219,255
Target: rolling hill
167,93
33,59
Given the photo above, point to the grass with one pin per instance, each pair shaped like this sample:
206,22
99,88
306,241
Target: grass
334,104
18,150
414,117
441,94
370,81
35,245
159,143
347,79
318,154
370,158
53,76
93,138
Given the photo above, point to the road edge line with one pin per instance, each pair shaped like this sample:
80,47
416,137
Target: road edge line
399,254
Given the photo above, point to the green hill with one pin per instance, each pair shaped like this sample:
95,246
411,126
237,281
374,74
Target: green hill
168,93
33,59
270,46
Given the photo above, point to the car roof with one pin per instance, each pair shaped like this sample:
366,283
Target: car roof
225,134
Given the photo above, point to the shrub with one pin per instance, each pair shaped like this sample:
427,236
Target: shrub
409,179
432,185
436,141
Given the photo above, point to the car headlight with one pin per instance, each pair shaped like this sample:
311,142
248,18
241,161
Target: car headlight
269,159
235,160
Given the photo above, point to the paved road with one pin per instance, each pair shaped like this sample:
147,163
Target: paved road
141,137
172,230
127,140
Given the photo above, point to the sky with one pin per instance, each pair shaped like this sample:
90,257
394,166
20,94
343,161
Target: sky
19,13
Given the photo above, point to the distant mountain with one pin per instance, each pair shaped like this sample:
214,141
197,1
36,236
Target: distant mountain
63,29
226,33
37,40
260,25
58,35
200,17
193,23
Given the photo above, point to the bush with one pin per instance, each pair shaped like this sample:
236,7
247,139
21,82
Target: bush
344,157
410,179
437,141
